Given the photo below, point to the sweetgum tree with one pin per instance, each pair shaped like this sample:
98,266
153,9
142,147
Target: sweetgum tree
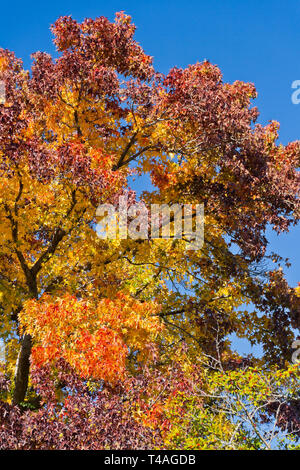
135,332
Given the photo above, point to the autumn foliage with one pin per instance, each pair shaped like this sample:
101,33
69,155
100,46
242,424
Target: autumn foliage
127,344
95,342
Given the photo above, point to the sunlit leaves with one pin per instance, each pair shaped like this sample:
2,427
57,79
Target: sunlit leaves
94,338
118,326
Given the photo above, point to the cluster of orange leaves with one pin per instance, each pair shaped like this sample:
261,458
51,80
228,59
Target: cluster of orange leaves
94,339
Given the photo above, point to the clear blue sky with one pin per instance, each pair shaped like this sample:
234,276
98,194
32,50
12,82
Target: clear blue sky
255,41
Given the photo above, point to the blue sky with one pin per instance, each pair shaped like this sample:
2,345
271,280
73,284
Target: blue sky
255,41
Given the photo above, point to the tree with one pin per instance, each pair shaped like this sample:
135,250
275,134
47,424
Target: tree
72,131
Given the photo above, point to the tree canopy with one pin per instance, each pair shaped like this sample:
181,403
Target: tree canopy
125,343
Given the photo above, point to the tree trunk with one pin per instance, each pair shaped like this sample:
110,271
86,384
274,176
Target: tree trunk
22,370
23,361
